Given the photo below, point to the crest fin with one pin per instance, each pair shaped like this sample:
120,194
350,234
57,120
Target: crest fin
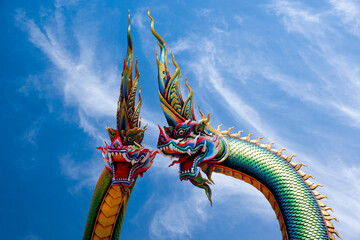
127,112
174,108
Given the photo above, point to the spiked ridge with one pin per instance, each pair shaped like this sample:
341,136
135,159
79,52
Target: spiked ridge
292,196
296,166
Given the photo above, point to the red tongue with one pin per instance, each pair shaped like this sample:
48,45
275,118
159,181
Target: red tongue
122,169
187,162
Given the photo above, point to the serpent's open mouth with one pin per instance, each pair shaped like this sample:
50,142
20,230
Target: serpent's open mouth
123,168
188,156
125,162
190,151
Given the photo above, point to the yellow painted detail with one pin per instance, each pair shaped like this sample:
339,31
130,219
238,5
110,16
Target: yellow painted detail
98,238
108,213
103,231
106,221
112,201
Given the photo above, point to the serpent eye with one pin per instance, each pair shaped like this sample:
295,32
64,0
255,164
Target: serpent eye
130,139
181,132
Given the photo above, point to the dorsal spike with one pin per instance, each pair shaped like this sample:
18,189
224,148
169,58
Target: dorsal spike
329,218
247,138
306,177
258,140
239,133
218,128
316,193
325,213
268,147
229,130
321,197
332,237
298,166
280,151
314,186
328,208
309,183
321,204
334,231
329,224
288,158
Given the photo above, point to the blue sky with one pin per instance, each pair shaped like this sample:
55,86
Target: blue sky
285,70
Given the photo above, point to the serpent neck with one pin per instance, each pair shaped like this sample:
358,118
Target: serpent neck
107,209
300,211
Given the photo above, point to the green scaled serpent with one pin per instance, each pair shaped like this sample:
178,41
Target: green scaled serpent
297,204
197,147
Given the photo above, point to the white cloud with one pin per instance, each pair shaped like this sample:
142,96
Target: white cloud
349,13
206,69
31,133
85,79
238,19
170,222
187,209
220,70
338,73
80,79
203,12
84,174
82,87
341,184
296,17
85,82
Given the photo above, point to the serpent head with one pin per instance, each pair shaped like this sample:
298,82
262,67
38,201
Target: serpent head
193,144
125,157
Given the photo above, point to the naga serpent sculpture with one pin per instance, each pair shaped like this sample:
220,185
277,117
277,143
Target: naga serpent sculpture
296,203
124,159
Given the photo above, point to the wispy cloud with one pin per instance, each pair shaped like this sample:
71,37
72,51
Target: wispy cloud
187,209
339,73
169,222
85,76
83,174
207,69
328,81
32,132
349,12
296,17
226,64
85,82
76,77
343,187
